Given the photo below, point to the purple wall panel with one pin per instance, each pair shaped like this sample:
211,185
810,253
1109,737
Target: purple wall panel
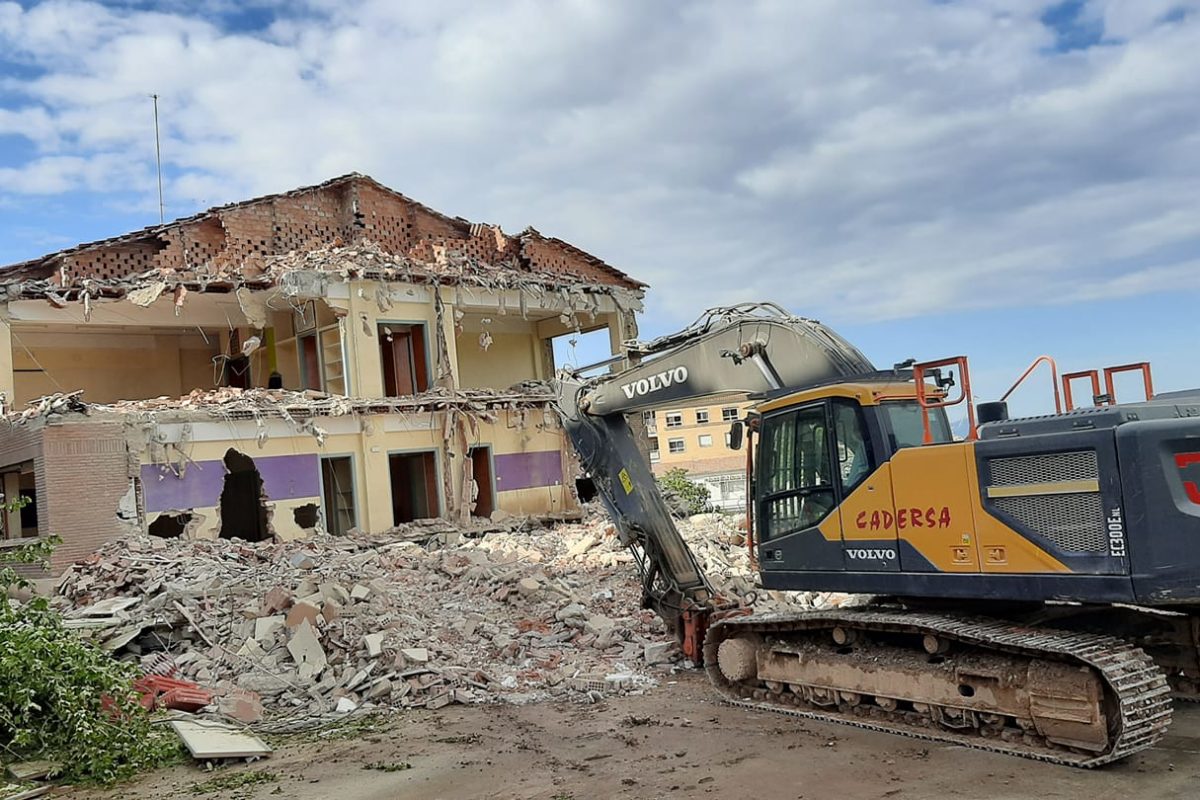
284,478
289,477
200,486
527,470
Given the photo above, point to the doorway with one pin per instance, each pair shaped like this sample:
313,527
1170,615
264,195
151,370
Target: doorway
337,488
481,474
414,486
402,352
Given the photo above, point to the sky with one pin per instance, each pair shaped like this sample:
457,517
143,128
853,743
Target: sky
991,178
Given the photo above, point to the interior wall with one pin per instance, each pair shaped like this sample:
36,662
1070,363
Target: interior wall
110,366
509,359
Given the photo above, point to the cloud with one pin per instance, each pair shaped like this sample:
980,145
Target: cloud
848,158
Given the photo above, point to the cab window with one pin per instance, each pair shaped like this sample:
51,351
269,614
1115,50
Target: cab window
795,471
853,446
906,428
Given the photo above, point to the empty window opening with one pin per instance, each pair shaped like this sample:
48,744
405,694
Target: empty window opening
337,484
405,364
414,486
581,348
307,516
481,477
243,512
170,526
19,487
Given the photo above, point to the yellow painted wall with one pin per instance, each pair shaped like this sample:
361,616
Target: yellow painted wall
110,367
511,432
508,360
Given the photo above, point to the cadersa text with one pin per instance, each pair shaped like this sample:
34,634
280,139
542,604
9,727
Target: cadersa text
930,517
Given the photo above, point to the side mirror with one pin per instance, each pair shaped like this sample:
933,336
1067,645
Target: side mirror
735,435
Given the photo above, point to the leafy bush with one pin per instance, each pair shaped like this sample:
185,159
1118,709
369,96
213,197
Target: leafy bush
63,699
684,497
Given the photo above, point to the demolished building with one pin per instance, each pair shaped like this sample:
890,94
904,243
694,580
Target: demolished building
334,357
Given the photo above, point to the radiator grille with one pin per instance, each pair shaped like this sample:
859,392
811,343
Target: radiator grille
1074,522
1044,468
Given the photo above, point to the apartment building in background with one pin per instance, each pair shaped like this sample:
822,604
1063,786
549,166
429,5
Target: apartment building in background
695,437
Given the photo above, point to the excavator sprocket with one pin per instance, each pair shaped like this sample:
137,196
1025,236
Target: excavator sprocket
1078,699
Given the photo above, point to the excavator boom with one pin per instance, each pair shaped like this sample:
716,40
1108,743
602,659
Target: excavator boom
748,348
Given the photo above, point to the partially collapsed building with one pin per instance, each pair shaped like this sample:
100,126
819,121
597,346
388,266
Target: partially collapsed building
332,357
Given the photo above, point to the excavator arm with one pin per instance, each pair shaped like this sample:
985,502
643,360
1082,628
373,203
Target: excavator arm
749,348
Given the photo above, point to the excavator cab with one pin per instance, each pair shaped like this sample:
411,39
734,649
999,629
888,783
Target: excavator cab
819,466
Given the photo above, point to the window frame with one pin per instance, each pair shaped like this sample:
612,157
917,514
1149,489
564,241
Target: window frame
667,419
700,440
682,445
831,488
868,447
726,416
699,412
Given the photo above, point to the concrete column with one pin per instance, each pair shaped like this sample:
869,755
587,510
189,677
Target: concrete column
449,332
375,480
7,382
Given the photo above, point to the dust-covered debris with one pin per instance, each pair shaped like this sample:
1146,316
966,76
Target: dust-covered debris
302,629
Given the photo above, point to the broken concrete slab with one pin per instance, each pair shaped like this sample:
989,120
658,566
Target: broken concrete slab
658,652
415,655
380,689
307,652
265,627
207,739
374,644
33,770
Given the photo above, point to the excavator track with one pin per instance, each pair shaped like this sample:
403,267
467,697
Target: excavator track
1078,699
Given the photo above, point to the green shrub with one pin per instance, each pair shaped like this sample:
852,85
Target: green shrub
63,699
684,497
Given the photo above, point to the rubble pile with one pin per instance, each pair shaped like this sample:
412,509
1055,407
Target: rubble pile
423,615
234,403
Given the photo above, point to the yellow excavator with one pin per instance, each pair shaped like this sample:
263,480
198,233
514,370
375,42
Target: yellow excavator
1033,584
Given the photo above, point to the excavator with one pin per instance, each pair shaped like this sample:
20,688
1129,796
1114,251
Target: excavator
1030,586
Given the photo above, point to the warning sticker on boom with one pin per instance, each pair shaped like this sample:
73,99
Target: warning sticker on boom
626,481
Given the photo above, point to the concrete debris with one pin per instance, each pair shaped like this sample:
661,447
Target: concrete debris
208,740
299,408
510,612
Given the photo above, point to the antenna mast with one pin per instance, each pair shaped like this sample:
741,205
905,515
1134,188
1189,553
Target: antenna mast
158,162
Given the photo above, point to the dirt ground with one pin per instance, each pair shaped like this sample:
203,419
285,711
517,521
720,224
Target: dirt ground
676,741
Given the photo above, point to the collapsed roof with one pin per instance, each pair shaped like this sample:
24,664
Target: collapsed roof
348,227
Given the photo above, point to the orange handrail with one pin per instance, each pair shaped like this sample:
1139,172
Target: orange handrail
1070,376
1053,380
964,394
1141,366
